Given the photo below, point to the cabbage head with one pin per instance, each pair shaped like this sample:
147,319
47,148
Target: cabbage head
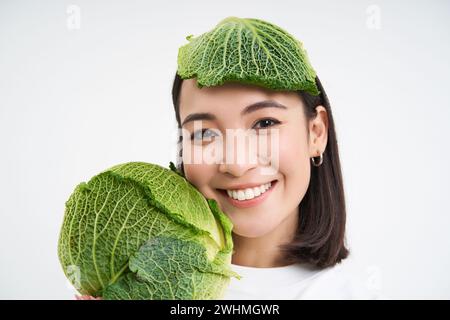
141,231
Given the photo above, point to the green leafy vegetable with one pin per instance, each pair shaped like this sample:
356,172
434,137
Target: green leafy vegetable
141,231
250,51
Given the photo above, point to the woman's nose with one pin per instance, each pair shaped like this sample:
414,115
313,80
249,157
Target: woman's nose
236,169
239,156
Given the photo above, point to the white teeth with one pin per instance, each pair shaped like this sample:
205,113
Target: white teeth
248,193
264,187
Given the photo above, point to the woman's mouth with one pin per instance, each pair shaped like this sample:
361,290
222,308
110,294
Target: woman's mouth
249,197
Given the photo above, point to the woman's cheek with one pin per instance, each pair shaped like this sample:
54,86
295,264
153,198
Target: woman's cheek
193,174
293,151
294,164
199,175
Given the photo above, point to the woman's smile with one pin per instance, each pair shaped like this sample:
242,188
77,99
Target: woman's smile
249,197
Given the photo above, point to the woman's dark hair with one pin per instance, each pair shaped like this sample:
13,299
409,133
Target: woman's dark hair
320,235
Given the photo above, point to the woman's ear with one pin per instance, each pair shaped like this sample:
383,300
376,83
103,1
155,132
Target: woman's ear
318,132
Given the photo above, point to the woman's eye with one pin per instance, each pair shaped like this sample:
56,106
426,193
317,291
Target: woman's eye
267,123
201,134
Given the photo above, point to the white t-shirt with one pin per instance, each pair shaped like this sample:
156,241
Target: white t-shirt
299,281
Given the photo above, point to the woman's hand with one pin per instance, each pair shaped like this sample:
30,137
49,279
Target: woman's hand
87,298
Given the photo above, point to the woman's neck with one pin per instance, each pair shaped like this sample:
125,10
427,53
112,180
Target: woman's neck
264,252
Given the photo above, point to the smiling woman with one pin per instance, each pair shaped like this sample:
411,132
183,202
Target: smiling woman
289,225
304,126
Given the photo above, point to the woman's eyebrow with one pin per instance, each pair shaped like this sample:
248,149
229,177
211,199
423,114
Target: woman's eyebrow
248,109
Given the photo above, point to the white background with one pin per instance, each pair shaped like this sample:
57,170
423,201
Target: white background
74,102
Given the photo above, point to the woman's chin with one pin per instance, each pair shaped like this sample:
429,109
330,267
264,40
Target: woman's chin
250,231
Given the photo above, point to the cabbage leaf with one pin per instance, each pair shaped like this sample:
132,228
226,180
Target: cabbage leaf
247,50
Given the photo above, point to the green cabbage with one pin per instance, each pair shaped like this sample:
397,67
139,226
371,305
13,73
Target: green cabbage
141,231
249,51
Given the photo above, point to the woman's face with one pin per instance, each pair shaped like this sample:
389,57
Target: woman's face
290,172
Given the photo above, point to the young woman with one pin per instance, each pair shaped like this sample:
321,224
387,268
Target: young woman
288,222
282,242
289,226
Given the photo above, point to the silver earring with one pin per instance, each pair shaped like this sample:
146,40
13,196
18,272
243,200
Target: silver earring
320,161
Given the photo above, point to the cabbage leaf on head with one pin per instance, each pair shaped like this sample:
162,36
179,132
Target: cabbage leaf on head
250,51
